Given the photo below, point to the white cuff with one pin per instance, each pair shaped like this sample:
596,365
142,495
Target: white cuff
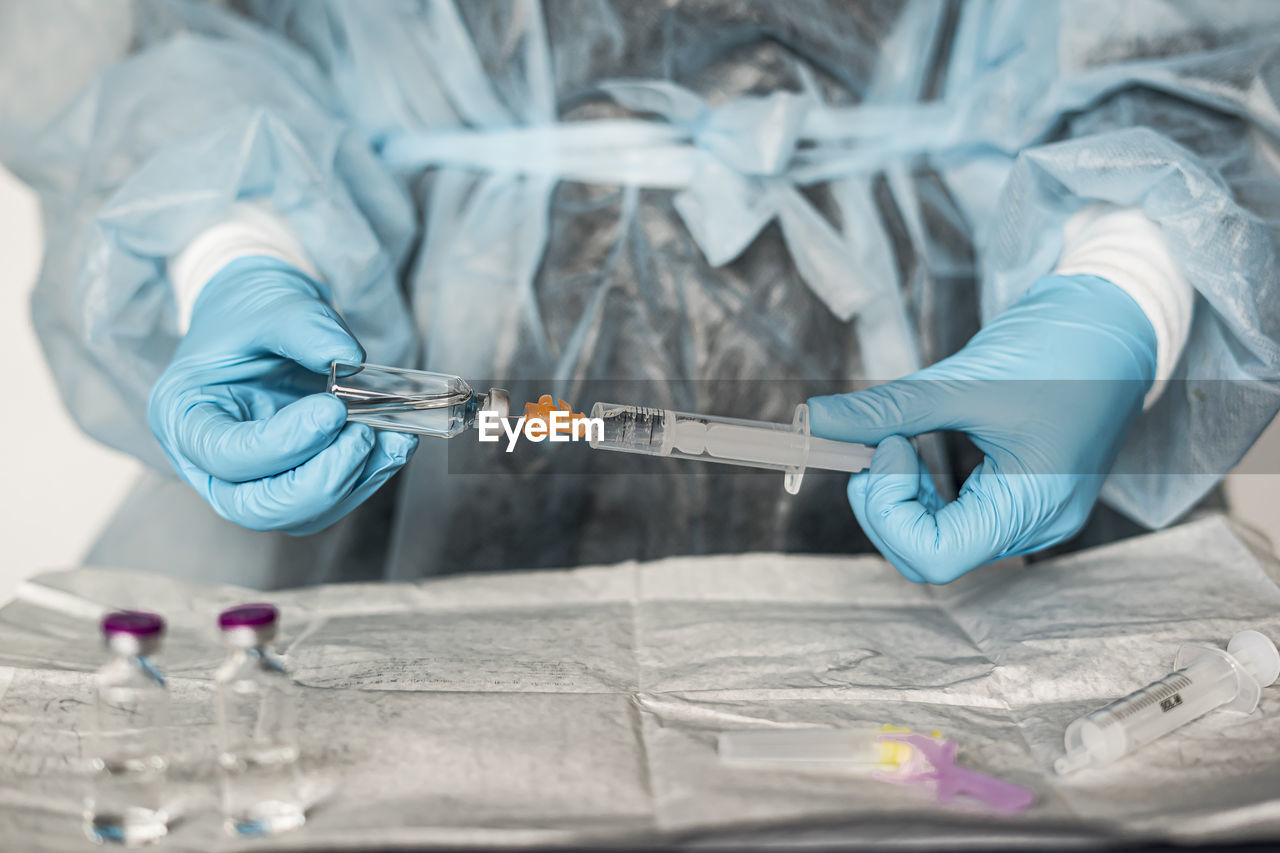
249,228
1126,248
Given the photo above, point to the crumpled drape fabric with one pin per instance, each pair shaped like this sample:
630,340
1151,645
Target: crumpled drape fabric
731,205
582,707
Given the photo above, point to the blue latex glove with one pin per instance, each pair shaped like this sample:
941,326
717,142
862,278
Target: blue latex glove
1048,444
235,414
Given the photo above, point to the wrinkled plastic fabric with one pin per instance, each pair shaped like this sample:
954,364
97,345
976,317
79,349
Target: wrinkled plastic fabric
583,707
565,192
154,151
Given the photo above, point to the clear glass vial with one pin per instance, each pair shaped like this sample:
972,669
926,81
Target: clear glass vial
414,401
130,734
257,727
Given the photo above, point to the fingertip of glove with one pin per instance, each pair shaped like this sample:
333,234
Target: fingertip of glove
343,354
330,413
829,417
822,407
355,440
857,488
352,354
894,455
364,434
334,340
401,446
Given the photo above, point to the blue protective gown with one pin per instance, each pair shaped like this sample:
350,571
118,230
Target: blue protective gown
759,201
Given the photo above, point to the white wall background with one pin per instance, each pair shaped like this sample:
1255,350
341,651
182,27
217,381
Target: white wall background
59,487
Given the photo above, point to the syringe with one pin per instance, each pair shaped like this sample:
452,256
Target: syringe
756,444
1204,678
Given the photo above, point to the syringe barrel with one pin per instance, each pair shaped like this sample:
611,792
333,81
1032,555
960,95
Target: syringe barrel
735,441
708,438
1207,682
632,429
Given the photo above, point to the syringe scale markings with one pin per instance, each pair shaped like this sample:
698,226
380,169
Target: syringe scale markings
757,444
1152,694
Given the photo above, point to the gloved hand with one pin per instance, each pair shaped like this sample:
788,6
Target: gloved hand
235,413
1047,392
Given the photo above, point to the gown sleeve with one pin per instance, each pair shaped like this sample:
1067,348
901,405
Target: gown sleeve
179,113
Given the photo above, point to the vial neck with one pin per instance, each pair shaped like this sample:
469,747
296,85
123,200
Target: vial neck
470,411
247,637
130,646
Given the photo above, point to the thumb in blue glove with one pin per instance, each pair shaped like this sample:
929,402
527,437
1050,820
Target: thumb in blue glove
234,413
1047,392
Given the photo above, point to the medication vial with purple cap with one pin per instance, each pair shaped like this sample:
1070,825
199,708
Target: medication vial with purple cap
257,727
130,737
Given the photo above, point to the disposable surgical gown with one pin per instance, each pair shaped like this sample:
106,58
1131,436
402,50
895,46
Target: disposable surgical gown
713,206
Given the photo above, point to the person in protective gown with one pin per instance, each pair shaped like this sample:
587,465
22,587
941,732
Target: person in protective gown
1029,244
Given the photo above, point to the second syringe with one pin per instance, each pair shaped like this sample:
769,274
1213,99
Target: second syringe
788,448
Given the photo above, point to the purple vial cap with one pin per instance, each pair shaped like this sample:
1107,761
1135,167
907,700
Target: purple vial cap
248,616
138,623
